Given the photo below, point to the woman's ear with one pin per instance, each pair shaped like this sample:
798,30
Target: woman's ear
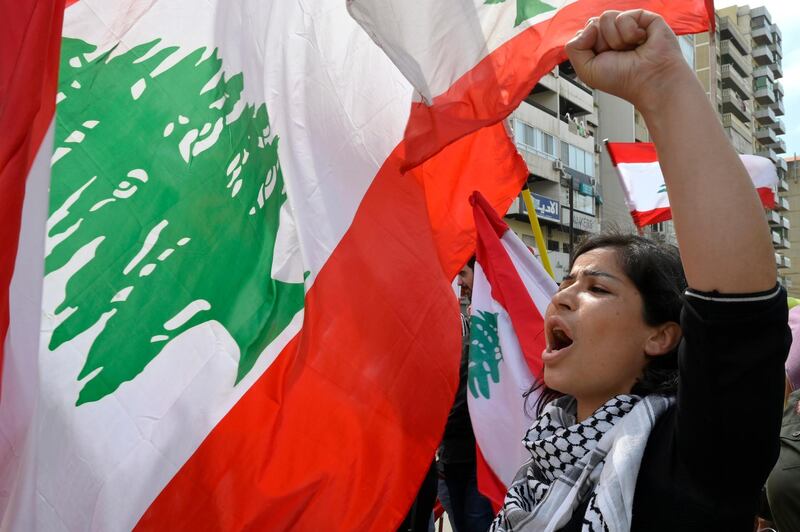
665,338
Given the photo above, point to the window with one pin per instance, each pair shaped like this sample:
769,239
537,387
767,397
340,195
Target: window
552,245
550,145
687,48
763,82
532,139
583,203
565,248
589,165
577,159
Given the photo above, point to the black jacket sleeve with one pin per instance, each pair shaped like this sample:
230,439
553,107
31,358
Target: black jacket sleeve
730,395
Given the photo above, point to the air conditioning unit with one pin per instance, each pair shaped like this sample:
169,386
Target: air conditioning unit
558,166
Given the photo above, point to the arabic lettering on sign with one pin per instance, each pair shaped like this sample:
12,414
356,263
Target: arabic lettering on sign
546,208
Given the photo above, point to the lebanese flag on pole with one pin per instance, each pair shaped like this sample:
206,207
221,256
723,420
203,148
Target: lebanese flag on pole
646,192
510,293
246,319
473,61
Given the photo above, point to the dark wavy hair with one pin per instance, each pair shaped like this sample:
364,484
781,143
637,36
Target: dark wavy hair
656,271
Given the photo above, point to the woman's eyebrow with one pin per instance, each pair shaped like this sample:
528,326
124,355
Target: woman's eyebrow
592,273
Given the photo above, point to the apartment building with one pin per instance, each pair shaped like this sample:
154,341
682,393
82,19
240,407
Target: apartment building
554,130
791,192
741,77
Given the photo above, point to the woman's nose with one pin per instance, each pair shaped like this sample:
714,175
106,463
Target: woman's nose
565,298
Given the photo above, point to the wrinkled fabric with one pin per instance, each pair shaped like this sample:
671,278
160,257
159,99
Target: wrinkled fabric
597,458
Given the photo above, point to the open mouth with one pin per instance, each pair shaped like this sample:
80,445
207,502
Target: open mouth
561,339
559,335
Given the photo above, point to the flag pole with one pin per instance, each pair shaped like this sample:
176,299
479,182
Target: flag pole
537,231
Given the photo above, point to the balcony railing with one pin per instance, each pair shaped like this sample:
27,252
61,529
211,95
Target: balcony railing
766,136
782,164
777,51
786,244
785,223
777,240
729,120
578,83
783,185
729,31
779,127
777,70
732,56
766,116
777,35
732,103
764,72
762,35
769,153
779,108
732,80
778,87
765,96
762,55
780,146
759,17
773,218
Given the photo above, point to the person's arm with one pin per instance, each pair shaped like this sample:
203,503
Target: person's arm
721,228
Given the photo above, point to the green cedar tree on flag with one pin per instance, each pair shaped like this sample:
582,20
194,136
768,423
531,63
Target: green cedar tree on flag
223,304
510,293
473,61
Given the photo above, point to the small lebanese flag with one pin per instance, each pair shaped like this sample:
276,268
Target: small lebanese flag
645,189
510,294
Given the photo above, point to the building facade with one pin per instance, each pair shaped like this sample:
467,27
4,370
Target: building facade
792,195
554,130
741,76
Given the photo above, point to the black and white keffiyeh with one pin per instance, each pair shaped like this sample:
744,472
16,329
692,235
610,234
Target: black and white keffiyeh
597,458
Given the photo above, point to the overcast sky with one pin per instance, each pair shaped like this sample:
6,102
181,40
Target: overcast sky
786,14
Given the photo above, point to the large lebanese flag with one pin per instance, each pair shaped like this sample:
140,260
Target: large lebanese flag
644,188
246,319
473,61
510,293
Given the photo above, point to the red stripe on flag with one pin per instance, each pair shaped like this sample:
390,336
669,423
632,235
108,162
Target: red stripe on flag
29,54
643,218
450,179
632,152
508,289
767,197
488,483
655,216
495,86
338,433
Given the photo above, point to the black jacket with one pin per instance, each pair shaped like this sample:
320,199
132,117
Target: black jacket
709,455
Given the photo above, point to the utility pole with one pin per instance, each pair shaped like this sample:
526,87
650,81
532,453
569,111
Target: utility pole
567,177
